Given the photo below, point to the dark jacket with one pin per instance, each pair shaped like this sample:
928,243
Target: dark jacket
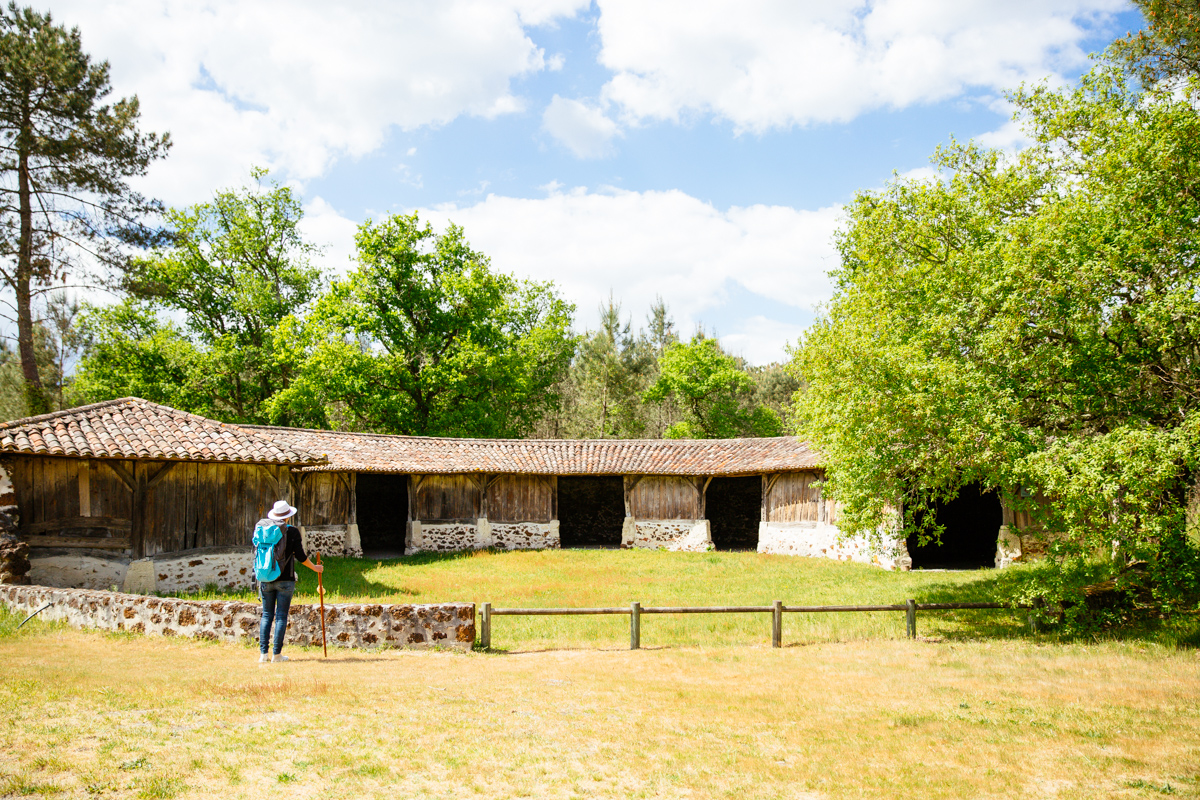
293,554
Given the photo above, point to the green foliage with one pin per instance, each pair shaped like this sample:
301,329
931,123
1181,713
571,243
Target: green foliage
130,352
1169,48
64,163
237,268
1026,322
714,392
424,338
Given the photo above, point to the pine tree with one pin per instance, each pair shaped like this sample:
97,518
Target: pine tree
65,157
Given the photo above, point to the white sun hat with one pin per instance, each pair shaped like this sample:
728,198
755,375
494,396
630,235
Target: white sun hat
281,511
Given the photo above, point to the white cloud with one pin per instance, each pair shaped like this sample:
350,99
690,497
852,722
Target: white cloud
294,84
766,64
584,129
323,226
760,340
641,245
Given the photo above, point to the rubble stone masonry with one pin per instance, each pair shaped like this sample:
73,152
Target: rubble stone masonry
347,625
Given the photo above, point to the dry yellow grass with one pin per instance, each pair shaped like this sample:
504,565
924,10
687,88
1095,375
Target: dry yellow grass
88,714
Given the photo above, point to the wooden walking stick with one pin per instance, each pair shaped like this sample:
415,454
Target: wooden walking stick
321,594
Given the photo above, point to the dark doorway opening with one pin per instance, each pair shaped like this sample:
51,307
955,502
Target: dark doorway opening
733,507
591,511
972,520
382,506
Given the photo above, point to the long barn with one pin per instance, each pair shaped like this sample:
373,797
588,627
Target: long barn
146,497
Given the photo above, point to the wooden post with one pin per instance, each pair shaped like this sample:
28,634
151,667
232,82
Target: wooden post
353,498
911,618
777,624
635,626
485,627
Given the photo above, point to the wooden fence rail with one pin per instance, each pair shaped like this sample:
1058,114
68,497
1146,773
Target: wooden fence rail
776,610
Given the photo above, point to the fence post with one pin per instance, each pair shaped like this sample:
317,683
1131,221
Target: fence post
485,628
777,624
635,626
911,618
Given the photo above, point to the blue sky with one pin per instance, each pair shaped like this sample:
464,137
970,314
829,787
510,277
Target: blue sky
697,151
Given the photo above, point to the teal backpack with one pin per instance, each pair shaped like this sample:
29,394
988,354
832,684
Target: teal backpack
269,547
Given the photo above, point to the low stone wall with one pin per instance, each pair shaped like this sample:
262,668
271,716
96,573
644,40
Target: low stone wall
524,535
77,568
347,625
441,537
180,572
822,540
679,535
332,540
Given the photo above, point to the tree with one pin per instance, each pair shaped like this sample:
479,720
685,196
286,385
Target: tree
1169,48
1030,324
424,338
237,268
66,157
715,394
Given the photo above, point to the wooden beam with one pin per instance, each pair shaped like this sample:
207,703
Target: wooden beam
702,499
273,478
353,498
162,473
112,523
125,475
94,542
85,488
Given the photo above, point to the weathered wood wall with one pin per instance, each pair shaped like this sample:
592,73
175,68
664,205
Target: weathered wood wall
521,498
446,498
170,506
793,497
205,505
325,498
665,497
71,497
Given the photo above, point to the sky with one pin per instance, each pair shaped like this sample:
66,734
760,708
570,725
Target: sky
696,151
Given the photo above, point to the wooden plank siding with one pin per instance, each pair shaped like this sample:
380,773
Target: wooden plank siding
520,498
447,498
665,497
793,497
325,498
192,505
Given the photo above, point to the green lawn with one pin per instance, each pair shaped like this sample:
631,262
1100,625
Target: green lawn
590,578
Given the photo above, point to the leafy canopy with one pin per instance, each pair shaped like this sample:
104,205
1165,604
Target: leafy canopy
1025,323
237,268
714,392
424,338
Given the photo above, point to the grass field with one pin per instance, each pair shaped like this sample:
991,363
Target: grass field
977,707
85,714
559,578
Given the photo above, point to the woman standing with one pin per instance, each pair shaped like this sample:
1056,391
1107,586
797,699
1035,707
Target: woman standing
277,594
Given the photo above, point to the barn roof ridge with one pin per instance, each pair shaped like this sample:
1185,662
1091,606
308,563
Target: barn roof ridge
492,441
131,427
101,430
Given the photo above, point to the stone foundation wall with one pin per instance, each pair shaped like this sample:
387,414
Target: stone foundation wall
347,625
332,540
441,537
181,572
680,535
524,535
822,540
80,569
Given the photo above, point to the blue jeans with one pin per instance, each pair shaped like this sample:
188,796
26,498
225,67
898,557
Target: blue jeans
276,599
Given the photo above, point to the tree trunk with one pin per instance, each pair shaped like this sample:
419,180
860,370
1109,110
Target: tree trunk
36,401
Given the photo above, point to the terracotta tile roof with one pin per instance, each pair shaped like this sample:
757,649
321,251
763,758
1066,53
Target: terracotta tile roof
136,428
368,452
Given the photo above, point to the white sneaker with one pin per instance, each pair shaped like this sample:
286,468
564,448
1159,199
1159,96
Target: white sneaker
263,658
278,657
